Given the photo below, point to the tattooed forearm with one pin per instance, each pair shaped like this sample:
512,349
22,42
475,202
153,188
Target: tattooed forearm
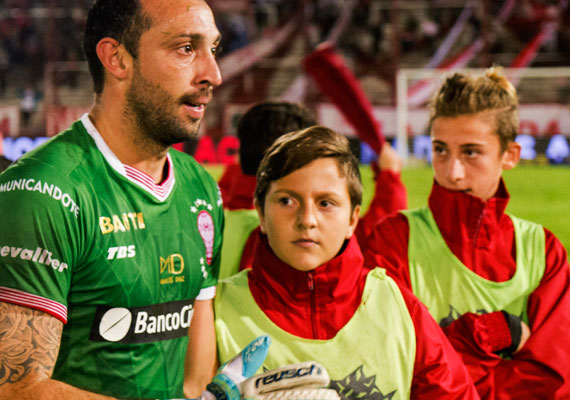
29,343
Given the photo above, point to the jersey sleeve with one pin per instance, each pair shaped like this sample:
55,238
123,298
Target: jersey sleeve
39,239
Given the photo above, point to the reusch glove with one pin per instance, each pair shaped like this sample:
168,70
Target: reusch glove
303,381
225,385
234,380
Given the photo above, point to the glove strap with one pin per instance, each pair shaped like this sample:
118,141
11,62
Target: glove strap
223,388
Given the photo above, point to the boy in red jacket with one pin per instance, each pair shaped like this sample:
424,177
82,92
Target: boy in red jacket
257,130
309,291
485,276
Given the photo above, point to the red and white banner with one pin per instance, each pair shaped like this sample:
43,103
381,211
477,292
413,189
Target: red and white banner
9,121
535,119
60,118
241,60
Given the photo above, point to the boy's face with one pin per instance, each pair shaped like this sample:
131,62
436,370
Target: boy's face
466,154
307,215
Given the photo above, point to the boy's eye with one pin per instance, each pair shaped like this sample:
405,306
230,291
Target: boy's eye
471,152
439,150
326,203
285,201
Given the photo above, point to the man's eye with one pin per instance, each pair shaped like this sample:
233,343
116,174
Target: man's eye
285,201
188,49
216,50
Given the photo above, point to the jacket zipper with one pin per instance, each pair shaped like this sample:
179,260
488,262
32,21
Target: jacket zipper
313,311
476,239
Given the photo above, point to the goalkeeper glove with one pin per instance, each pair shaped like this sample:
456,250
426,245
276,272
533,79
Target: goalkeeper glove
234,380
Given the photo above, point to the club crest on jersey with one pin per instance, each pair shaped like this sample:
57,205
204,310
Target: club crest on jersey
205,225
206,229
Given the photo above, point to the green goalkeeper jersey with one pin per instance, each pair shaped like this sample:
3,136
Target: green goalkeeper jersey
119,259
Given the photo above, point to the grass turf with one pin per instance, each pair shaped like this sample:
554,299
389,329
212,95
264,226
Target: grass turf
538,193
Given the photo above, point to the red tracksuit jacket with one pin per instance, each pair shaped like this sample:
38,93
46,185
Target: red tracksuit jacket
481,235
317,304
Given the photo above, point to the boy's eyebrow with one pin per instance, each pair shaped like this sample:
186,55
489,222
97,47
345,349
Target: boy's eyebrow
286,191
293,193
442,143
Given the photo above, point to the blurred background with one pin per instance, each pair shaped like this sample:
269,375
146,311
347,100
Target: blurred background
396,50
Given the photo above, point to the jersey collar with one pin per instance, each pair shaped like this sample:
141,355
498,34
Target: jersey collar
144,181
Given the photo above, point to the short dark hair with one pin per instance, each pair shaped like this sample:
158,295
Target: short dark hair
122,20
262,124
4,163
297,149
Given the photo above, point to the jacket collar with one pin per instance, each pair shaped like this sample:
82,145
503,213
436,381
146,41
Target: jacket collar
457,211
332,282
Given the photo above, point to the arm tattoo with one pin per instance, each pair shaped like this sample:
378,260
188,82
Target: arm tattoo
29,342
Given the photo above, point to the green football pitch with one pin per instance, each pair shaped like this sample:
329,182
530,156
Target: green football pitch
538,193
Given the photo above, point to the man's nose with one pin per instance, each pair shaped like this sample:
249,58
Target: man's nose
208,71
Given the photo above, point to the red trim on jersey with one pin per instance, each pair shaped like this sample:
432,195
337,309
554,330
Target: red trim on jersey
162,189
20,298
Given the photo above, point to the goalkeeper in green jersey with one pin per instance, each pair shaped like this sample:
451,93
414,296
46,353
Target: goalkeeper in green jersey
110,241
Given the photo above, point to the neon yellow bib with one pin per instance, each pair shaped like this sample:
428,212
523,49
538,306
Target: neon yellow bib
372,355
449,289
238,226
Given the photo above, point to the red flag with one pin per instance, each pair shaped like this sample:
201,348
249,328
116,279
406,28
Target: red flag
338,83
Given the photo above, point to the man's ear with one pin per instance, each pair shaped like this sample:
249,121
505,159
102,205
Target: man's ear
259,210
115,58
353,222
512,155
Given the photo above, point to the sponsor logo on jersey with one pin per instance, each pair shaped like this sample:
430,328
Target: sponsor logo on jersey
122,223
120,252
206,229
38,255
31,185
171,269
152,323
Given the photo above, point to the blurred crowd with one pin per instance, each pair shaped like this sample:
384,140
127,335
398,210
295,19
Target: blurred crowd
34,32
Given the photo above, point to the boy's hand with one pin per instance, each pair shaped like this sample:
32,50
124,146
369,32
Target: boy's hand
520,332
226,383
234,380
389,160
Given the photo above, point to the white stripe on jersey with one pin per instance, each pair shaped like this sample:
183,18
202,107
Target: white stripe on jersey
20,298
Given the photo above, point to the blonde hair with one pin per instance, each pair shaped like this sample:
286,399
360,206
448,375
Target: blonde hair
463,94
